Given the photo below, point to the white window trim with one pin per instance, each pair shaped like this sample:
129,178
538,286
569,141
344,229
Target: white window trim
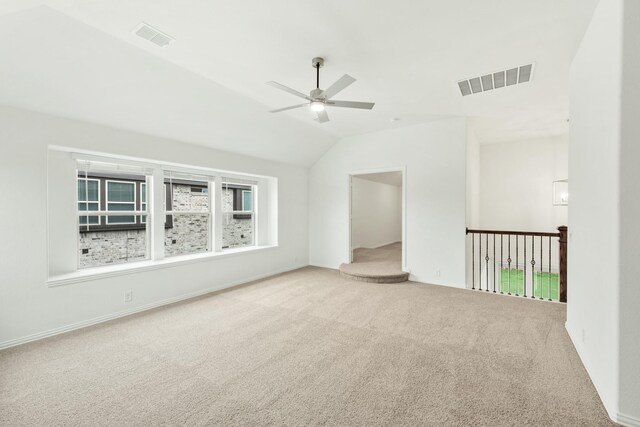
156,214
134,267
106,192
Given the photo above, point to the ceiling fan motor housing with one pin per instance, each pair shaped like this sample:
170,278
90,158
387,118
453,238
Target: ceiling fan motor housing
316,94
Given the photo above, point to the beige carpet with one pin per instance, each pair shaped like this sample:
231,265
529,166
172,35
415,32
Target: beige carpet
378,265
310,348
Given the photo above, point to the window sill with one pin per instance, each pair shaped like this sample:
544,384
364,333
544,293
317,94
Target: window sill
147,265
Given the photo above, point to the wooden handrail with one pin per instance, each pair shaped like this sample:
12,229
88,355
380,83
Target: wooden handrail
514,233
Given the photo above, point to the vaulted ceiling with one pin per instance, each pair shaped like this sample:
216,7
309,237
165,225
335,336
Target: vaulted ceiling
80,59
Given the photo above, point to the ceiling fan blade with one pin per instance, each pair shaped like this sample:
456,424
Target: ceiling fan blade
289,108
340,84
351,104
288,89
322,116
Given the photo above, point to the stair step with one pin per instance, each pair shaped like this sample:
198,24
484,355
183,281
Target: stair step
373,273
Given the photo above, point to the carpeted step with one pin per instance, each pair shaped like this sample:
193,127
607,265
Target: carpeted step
373,272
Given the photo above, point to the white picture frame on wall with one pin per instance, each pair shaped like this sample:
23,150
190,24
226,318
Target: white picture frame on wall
561,192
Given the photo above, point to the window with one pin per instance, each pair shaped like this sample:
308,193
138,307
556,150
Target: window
112,208
121,196
114,212
188,212
89,199
238,219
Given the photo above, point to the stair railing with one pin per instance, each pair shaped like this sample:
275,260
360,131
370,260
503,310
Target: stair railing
521,263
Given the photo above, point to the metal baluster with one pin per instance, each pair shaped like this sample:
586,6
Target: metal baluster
486,260
517,294
501,258
524,263
494,263
540,282
473,264
509,266
480,262
533,267
549,278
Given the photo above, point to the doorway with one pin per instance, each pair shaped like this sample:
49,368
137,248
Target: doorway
377,241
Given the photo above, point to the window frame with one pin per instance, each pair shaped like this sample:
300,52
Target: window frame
169,212
151,173
106,206
237,211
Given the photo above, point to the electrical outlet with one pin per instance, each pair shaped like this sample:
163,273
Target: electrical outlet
437,273
128,296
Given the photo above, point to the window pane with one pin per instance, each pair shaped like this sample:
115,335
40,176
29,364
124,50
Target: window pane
120,191
185,200
100,248
116,238
247,200
189,234
237,230
188,225
238,227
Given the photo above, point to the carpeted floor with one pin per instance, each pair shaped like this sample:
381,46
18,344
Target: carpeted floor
310,348
377,263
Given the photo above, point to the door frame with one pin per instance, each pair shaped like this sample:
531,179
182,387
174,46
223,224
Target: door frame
401,169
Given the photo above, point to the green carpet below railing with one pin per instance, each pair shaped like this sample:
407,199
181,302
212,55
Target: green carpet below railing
545,284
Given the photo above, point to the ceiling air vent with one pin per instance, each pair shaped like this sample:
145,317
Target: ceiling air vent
496,80
155,36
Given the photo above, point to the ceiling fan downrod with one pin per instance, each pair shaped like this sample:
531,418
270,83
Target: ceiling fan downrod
317,62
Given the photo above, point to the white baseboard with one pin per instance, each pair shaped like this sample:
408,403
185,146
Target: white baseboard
626,420
123,313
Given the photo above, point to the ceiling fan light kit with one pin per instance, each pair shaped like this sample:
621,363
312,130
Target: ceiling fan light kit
316,106
319,99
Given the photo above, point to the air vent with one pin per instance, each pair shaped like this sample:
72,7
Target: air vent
496,80
153,35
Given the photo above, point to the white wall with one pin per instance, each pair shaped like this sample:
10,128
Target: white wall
376,213
473,196
603,297
28,308
516,184
630,216
434,157
473,180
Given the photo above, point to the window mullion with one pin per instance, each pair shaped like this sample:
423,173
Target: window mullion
211,229
217,213
155,206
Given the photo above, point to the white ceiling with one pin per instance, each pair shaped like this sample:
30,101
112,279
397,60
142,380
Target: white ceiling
389,178
83,61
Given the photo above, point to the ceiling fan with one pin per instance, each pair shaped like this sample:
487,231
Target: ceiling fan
318,99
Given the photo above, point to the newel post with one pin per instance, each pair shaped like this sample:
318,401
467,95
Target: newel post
563,263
